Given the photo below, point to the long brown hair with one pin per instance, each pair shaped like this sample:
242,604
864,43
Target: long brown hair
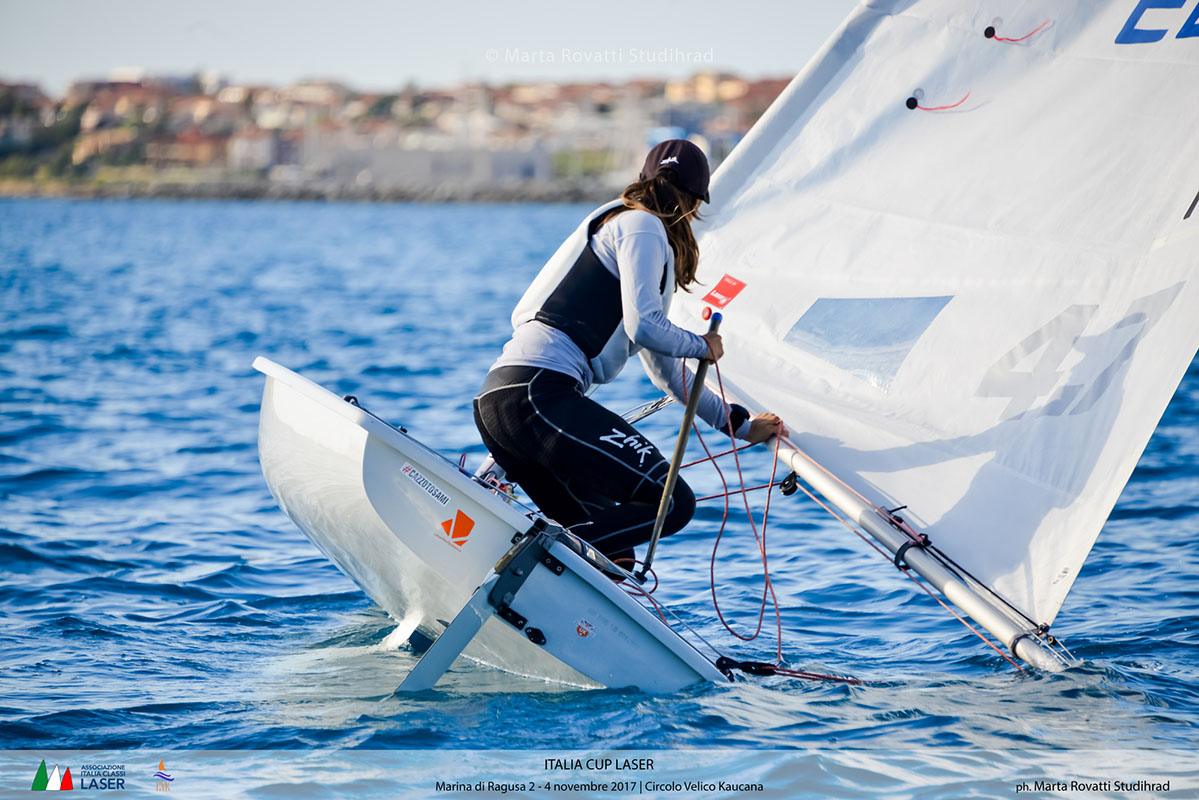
676,208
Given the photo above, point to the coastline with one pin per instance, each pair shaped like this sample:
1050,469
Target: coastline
553,192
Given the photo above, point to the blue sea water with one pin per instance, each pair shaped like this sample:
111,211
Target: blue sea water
153,597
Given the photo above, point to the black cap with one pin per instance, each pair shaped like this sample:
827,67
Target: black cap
688,162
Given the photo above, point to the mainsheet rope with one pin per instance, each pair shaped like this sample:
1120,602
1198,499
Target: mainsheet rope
760,539
751,667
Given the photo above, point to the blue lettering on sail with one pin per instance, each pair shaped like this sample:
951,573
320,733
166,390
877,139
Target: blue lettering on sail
1190,28
1131,34
868,337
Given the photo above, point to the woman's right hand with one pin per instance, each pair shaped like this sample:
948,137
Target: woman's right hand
715,347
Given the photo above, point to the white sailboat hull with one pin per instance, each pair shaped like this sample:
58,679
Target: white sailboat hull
419,536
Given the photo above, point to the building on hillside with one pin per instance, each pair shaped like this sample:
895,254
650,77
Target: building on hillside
388,157
253,149
104,141
189,148
80,93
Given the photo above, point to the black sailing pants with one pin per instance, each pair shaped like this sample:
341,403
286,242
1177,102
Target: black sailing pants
578,461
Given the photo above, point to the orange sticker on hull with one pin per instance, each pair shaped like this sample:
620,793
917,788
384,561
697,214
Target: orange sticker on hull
458,528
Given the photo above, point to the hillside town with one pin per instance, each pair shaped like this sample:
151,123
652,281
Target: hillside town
201,135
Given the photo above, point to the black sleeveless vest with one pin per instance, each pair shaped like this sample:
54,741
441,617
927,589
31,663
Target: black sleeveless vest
586,304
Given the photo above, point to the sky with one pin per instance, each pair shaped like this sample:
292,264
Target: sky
384,44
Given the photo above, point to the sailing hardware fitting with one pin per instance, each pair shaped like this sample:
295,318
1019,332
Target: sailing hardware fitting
990,32
913,102
352,400
1040,632
763,669
920,543
1016,640
528,550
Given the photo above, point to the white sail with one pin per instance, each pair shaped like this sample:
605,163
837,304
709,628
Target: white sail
980,308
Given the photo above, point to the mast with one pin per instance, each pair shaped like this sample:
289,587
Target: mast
1023,642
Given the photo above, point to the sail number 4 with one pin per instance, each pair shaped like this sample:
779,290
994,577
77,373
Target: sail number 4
1033,369
1131,34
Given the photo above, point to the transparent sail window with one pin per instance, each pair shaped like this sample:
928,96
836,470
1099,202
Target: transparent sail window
868,337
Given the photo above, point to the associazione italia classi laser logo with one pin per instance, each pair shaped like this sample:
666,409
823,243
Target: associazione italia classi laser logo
101,777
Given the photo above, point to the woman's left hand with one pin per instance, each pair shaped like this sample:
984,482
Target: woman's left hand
763,426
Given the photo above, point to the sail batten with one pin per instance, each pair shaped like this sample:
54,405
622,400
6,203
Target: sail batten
979,312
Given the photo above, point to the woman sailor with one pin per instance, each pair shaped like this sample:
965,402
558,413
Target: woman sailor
602,297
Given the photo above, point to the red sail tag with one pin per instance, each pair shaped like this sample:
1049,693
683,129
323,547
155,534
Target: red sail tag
728,288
